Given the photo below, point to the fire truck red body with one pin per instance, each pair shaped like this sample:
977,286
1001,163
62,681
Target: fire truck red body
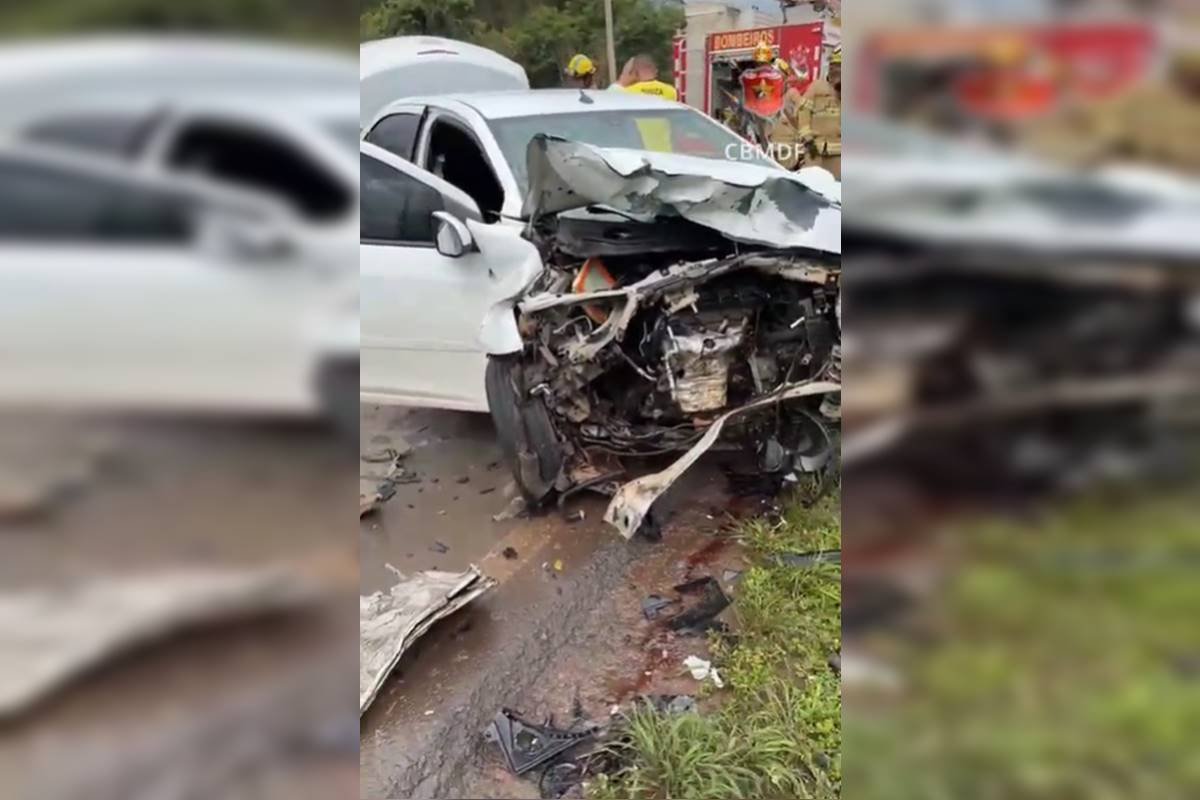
1048,65
799,45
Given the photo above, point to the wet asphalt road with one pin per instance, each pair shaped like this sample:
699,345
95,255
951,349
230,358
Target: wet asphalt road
261,706
563,622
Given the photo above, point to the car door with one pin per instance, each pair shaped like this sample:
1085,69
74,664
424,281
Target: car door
107,298
421,311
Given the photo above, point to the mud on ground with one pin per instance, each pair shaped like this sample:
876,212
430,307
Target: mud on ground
564,623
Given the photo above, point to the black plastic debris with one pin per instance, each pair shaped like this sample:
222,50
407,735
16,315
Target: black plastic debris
526,745
810,559
439,547
653,605
753,484
704,599
509,552
557,780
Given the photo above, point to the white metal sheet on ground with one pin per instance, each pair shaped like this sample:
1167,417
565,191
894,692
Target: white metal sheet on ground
49,635
389,622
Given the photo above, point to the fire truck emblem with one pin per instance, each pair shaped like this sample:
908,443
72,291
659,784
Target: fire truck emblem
762,90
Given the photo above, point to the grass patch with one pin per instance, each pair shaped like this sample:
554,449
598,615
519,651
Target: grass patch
778,733
1063,662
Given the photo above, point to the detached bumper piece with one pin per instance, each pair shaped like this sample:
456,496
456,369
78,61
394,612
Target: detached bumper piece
526,745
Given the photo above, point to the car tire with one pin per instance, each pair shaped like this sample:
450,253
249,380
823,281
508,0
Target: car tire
524,429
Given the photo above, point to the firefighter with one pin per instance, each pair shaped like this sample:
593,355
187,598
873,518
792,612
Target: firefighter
1157,123
581,72
818,115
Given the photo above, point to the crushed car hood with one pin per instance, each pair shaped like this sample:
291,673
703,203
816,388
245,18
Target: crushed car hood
746,202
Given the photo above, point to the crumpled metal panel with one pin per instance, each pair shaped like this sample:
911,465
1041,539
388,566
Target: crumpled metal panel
745,202
389,622
632,501
50,635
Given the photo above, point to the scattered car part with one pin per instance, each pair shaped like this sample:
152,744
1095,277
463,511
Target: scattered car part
703,670
558,779
653,605
50,635
378,485
389,622
698,617
633,500
525,745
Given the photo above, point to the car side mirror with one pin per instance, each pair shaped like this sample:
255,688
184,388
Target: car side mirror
451,235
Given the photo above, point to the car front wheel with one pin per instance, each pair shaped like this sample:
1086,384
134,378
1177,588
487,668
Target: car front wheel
524,428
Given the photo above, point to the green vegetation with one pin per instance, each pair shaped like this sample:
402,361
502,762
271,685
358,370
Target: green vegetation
778,731
313,20
541,35
1063,661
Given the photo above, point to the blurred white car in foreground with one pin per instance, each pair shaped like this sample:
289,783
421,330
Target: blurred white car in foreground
125,291
178,219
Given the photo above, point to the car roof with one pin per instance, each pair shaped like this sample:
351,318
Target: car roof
523,103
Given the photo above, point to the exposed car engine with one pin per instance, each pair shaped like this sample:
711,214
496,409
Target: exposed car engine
680,305
638,355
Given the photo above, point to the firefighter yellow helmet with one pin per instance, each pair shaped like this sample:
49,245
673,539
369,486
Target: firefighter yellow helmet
763,53
580,66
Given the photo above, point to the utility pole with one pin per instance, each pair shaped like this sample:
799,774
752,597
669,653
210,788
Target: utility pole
609,43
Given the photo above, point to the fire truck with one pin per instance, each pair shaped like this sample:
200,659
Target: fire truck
1001,73
804,47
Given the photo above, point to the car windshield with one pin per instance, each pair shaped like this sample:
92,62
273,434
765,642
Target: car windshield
671,130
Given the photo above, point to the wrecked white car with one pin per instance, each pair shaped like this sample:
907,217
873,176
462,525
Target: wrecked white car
682,304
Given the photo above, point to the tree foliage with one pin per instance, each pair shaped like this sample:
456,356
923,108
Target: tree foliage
317,20
541,35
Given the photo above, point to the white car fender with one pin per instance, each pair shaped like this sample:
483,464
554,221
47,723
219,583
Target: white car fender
513,264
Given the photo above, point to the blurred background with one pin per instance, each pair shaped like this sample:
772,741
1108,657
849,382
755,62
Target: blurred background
178,399
1021,367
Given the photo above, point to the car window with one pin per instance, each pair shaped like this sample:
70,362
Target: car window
57,204
395,207
110,133
397,133
674,130
456,157
258,159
